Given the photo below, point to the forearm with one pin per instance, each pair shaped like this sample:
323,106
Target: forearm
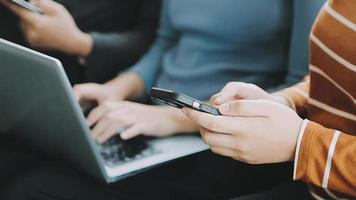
124,48
115,51
150,64
82,45
127,85
326,158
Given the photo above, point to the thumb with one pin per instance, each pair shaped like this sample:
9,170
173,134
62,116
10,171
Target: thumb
48,6
248,108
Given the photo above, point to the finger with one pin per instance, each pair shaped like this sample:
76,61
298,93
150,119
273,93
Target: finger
222,124
213,99
24,14
76,96
223,151
238,90
48,6
108,133
118,123
132,132
228,93
248,108
95,115
100,127
217,139
86,91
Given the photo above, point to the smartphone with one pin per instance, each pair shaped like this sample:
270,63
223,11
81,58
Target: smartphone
180,100
29,6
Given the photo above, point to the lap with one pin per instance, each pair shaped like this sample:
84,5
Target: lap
204,176
15,157
291,191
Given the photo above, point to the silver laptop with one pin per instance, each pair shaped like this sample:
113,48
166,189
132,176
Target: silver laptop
37,106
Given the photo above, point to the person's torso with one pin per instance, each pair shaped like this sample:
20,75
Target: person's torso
332,101
221,41
333,67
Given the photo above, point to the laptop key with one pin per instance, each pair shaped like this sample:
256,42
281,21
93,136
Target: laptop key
117,151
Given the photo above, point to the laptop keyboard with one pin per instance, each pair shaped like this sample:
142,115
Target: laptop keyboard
116,151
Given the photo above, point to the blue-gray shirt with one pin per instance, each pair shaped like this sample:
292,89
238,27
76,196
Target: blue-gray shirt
203,44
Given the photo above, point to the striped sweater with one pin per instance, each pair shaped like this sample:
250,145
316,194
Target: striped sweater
326,147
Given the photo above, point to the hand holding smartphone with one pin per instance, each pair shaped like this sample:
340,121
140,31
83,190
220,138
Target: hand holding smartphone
27,5
180,100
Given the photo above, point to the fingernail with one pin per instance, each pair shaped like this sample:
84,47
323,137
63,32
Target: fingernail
123,136
224,108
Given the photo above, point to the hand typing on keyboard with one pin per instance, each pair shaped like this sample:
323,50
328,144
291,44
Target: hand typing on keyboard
116,151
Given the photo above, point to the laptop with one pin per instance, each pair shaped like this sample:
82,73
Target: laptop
37,105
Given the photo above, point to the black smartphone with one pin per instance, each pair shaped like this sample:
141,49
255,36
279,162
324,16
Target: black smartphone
180,100
29,6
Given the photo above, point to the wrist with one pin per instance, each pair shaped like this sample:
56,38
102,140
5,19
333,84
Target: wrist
126,86
83,44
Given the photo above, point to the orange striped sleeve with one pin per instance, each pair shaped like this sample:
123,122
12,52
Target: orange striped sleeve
298,95
326,158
